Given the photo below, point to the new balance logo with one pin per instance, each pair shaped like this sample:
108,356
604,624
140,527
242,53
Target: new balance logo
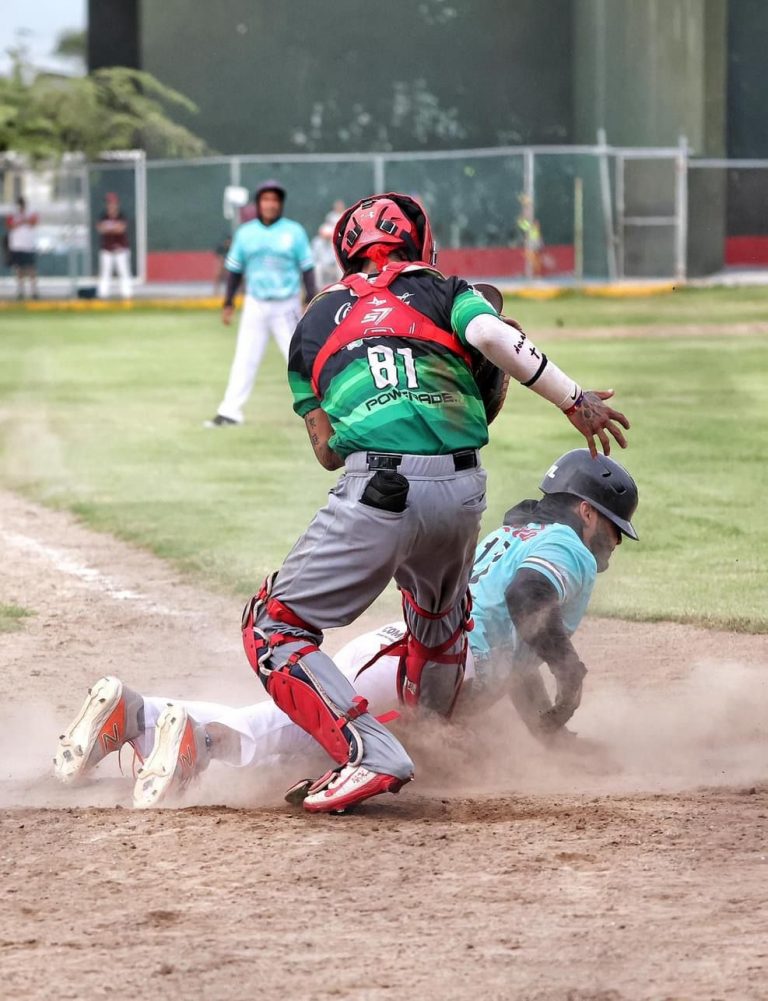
111,740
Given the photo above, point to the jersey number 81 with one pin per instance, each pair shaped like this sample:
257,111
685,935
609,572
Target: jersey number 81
383,363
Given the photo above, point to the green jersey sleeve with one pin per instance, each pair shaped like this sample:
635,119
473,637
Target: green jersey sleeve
304,398
466,306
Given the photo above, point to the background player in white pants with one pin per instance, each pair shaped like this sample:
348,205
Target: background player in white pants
274,255
531,586
114,248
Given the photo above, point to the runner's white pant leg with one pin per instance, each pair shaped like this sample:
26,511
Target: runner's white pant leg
252,337
123,268
264,730
105,272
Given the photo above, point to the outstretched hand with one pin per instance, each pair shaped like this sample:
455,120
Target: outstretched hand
594,419
567,700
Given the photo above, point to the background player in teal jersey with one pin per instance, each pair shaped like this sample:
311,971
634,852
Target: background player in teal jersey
531,585
274,256
382,370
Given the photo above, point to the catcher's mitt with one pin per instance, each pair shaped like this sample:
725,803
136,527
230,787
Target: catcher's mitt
491,380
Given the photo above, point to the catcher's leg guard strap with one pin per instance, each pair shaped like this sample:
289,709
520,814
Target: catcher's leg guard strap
298,697
416,656
258,643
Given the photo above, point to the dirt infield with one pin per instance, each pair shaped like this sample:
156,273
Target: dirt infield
635,871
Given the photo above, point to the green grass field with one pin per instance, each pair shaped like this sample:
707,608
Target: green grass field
102,414
11,617
721,306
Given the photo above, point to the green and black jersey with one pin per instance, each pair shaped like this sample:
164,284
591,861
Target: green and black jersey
393,393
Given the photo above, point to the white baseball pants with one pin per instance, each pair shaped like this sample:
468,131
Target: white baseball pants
259,319
111,261
266,732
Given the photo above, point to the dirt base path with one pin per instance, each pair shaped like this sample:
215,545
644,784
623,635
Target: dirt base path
637,870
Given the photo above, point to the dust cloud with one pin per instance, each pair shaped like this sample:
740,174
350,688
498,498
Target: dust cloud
708,728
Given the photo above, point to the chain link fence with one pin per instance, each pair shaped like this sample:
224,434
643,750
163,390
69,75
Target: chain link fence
569,213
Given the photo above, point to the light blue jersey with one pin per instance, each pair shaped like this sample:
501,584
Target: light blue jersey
272,258
556,552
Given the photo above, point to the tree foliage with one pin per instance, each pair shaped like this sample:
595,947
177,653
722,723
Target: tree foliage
44,115
72,44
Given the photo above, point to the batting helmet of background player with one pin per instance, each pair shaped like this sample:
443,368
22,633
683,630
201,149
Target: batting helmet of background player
601,482
392,221
270,185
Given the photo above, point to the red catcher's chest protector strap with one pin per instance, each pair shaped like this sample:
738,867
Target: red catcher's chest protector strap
379,313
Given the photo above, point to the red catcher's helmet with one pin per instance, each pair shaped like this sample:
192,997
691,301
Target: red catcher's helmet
391,219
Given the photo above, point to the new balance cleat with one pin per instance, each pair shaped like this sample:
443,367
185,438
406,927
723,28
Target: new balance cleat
108,719
340,789
180,753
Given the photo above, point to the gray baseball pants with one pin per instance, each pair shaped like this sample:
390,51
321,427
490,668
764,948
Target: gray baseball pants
349,554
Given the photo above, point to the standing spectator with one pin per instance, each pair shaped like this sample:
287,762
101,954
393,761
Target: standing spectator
328,270
114,250
274,255
530,231
22,247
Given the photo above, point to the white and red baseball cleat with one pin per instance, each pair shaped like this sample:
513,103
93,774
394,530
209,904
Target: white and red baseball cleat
340,789
179,754
108,719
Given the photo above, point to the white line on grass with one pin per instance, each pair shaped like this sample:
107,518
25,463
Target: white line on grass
93,578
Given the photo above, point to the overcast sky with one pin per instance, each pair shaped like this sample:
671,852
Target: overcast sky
38,24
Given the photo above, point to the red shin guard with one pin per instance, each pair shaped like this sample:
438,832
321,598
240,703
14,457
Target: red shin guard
291,685
308,709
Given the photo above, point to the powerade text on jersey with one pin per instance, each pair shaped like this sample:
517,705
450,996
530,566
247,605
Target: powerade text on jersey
405,384
556,552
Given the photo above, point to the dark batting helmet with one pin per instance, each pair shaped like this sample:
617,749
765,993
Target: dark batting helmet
603,483
391,219
270,185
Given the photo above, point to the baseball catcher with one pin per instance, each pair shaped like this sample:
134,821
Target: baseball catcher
381,368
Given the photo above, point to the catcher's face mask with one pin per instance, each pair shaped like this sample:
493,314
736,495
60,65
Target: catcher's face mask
394,220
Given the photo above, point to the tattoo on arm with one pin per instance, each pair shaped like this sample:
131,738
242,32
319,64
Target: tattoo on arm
589,409
320,431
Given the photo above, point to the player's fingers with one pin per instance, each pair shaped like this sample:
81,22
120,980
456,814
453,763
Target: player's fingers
617,434
604,441
617,415
604,394
591,444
